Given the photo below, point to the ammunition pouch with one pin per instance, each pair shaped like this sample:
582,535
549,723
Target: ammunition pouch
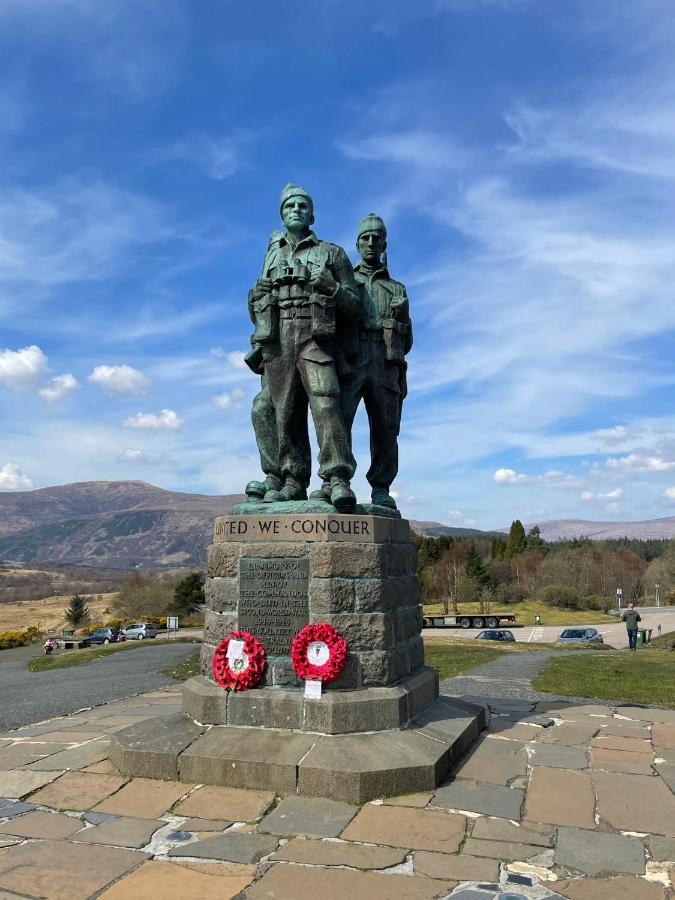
266,317
323,317
395,334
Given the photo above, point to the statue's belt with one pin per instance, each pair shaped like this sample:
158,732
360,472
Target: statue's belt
295,312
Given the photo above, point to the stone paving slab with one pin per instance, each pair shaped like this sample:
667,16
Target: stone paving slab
662,847
667,772
412,828
60,870
73,758
11,808
171,881
616,742
312,816
232,846
597,852
645,714
558,756
235,804
635,802
621,761
416,800
42,825
503,830
339,853
571,733
19,783
302,883
474,796
78,791
204,825
455,867
143,797
502,849
21,754
559,797
627,887
120,832
664,735
495,761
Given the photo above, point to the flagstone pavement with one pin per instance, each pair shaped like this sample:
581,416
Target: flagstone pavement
556,800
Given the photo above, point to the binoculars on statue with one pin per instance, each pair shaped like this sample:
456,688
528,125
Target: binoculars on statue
293,296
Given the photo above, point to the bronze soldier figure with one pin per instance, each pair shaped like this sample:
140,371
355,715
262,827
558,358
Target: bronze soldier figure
305,297
379,375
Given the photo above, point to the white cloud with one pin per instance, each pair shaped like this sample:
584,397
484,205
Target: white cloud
22,370
420,148
131,455
59,387
229,399
134,455
123,380
640,462
617,434
218,157
166,419
669,493
12,479
611,496
458,519
235,358
552,478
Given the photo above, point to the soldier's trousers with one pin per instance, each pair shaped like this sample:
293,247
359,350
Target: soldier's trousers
378,383
302,374
265,430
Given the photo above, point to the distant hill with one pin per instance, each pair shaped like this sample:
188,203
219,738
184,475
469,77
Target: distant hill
435,529
117,524
565,529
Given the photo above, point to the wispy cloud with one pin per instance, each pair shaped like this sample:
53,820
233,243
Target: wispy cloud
59,387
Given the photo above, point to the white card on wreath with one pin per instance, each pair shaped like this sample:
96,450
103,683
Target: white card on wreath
235,649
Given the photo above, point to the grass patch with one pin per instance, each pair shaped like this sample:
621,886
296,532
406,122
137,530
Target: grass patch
187,669
664,641
68,658
647,676
526,610
457,657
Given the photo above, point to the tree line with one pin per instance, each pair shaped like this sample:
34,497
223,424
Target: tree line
573,574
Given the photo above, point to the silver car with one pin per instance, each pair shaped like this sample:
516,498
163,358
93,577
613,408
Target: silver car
139,631
580,636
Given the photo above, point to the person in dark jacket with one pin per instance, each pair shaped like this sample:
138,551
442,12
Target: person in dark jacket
631,617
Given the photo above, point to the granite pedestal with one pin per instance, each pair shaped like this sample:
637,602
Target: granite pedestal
379,729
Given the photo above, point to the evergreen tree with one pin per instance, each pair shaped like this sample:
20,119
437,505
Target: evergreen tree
534,540
77,613
517,542
475,567
188,594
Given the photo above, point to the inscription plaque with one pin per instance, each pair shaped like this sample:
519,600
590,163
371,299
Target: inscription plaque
273,601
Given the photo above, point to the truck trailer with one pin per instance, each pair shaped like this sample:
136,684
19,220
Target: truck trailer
480,620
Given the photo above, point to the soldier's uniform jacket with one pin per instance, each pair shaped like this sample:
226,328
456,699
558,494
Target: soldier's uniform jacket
383,299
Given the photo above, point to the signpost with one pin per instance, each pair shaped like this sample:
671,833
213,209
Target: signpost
619,597
658,595
172,624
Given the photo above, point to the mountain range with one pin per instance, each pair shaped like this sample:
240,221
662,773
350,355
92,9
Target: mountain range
123,524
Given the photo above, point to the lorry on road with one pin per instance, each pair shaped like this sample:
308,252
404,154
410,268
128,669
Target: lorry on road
479,620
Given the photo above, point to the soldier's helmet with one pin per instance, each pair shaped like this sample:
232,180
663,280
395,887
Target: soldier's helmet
371,222
294,190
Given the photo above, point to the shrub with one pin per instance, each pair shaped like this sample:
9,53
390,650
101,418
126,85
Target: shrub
9,639
510,592
560,596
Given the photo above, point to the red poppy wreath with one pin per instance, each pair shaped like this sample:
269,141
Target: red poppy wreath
318,652
243,668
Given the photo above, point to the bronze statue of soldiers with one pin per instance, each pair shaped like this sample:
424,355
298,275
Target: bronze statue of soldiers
305,299
379,374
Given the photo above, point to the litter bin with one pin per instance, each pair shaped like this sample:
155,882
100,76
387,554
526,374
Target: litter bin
537,620
642,636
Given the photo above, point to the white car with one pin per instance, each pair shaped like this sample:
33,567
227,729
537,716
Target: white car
139,631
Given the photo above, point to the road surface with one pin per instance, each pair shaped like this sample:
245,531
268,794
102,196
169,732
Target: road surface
28,697
614,633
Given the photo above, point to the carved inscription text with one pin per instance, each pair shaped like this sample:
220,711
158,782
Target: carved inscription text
273,601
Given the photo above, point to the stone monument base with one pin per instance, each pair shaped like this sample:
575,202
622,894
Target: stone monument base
354,767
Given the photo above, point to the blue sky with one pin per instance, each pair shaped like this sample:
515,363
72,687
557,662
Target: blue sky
522,153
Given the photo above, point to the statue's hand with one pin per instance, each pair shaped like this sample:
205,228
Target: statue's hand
323,282
261,287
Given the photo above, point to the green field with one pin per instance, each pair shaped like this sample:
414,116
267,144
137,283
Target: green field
647,676
526,610
68,658
187,669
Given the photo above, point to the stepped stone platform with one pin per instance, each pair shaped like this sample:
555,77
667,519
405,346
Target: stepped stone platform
378,730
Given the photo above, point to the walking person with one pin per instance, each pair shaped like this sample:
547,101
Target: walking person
631,617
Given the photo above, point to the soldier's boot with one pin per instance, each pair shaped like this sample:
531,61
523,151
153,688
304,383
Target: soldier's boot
382,497
323,493
256,490
342,496
292,490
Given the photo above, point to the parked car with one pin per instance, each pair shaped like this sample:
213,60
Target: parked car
495,635
580,636
105,636
139,630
